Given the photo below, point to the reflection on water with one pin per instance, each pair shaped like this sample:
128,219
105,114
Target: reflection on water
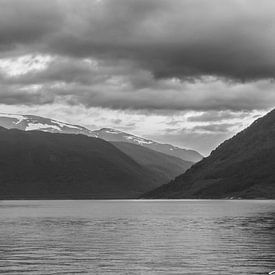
137,237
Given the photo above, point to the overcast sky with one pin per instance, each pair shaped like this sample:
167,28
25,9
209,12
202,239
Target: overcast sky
187,72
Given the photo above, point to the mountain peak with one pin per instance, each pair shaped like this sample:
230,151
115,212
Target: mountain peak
33,122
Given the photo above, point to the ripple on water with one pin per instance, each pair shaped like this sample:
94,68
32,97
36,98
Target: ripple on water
127,237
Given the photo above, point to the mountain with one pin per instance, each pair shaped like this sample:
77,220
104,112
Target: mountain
30,122
241,167
165,167
36,164
114,135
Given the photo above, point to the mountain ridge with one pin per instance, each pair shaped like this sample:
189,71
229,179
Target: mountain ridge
115,135
31,122
241,167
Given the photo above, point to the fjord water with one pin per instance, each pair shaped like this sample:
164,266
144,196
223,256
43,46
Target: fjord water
137,237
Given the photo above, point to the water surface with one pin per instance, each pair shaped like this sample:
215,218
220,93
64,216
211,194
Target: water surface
137,237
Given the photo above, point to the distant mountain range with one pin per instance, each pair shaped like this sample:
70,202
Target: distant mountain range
241,167
30,122
77,164
114,135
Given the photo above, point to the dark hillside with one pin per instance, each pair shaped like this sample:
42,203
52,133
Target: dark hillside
243,166
165,167
36,164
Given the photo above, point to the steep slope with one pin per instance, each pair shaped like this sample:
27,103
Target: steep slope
164,166
114,135
30,122
241,167
36,164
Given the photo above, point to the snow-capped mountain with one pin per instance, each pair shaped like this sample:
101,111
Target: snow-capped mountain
115,135
31,122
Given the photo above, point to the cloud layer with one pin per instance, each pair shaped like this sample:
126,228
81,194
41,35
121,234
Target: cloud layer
145,54
170,38
215,58
120,86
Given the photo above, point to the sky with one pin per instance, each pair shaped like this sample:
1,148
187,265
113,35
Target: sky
188,72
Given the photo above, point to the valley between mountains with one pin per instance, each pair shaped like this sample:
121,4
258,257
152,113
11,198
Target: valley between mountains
43,158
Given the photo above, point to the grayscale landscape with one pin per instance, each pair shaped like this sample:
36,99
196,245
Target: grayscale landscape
137,137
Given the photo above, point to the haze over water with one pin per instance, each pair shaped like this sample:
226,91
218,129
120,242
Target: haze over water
137,237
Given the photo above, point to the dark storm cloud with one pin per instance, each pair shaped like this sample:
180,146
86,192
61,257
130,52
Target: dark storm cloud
142,54
27,22
170,38
78,83
232,39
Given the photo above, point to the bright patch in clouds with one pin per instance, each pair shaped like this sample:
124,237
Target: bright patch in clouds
24,64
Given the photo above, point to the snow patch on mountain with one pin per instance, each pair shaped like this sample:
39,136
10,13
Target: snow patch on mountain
139,140
18,117
111,132
40,126
61,124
